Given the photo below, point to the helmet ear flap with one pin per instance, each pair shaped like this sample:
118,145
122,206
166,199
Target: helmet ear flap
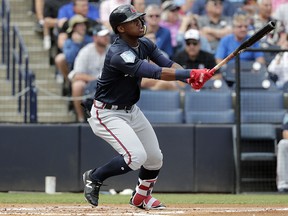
143,24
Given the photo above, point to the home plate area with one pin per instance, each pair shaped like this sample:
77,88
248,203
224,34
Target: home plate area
117,210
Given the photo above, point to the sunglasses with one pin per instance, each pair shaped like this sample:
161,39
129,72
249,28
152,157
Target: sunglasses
194,43
154,15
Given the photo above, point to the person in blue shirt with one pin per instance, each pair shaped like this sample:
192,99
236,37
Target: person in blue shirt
232,41
82,7
163,35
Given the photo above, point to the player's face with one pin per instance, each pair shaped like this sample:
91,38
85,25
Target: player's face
134,28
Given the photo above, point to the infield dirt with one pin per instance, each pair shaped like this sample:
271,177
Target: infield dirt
124,209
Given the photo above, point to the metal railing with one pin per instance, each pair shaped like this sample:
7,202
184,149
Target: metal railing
20,62
5,50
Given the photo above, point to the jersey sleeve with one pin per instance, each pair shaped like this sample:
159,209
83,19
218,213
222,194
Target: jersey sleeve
130,64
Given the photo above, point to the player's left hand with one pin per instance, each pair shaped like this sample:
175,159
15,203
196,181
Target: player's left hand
199,77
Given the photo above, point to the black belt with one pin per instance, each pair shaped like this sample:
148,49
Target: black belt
117,107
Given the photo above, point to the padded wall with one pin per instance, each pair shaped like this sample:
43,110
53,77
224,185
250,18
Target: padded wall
214,161
196,158
31,152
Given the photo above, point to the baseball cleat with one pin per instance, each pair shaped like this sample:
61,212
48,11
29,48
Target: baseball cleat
148,203
91,189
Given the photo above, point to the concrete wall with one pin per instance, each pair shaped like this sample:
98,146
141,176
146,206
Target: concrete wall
196,158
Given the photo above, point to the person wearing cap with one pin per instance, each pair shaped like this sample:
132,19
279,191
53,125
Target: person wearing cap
232,41
171,20
115,116
88,66
192,56
77,38
190,21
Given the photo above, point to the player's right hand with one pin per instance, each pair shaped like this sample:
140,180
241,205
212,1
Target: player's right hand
198,77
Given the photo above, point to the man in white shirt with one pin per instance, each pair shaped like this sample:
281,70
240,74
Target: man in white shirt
88,66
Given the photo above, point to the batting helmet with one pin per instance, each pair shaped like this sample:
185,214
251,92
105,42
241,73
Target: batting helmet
123,14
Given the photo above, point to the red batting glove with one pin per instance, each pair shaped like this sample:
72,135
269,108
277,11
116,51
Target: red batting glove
198,77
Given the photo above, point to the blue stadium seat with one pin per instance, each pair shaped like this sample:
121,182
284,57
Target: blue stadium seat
161,106
249,78
208,107
260,106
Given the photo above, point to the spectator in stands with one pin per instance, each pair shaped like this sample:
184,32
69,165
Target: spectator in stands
199,7
190,21
249,8
51,8
88,65
77,38
214,25
139,5
163,35
277,4
279,67
282,159
82,7
39,5
192,56
185,6
170,19
153,84
282,15
232,41
106,7
276,37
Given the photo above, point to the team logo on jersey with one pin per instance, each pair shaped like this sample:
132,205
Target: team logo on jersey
128,56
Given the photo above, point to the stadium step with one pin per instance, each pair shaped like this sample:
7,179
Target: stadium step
52,106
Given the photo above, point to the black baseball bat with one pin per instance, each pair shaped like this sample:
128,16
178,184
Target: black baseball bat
250,41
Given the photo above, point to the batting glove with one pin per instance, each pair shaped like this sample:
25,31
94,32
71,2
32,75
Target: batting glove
198,77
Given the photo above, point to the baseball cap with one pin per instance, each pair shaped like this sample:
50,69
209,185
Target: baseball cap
100,30
76,19
169,5
192,34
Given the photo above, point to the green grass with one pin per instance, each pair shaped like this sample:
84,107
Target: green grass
77,198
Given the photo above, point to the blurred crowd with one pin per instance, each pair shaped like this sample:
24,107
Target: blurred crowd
194,33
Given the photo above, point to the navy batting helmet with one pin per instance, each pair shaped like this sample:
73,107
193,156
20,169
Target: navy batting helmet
123,14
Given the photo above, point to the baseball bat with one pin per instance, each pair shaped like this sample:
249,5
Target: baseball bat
250,41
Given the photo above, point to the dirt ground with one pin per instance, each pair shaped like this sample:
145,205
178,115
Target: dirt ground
118,210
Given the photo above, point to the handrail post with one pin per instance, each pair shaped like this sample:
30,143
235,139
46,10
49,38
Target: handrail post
33,98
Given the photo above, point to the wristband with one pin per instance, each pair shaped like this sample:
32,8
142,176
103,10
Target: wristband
182,74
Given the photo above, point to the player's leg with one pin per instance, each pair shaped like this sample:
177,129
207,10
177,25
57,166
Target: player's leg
112,126
282,166
148,174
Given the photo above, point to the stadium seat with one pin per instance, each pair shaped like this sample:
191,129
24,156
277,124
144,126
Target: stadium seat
261,106
250,78
208,107
161,106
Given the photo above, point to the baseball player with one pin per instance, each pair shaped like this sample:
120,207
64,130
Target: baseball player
117,119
